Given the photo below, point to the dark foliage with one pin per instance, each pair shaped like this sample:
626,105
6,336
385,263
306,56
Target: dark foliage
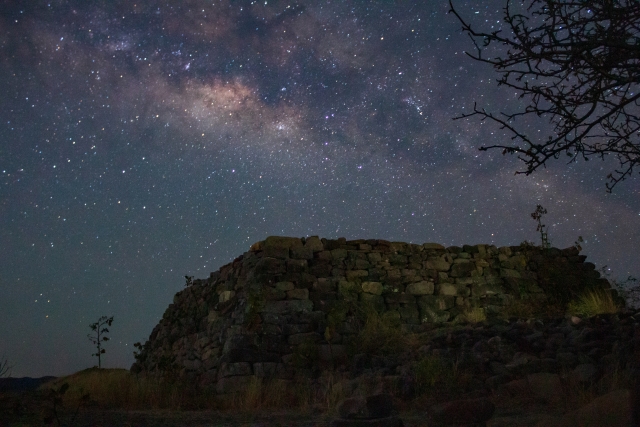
98,337
577,63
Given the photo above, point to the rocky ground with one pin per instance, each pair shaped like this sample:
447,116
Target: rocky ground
564,371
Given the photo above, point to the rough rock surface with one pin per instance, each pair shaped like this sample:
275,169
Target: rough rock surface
285,310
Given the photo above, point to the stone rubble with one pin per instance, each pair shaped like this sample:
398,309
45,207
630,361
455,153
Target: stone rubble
284,310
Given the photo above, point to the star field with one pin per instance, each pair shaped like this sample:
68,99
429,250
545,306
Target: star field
142,142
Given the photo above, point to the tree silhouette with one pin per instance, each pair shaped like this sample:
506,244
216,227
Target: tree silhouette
5,368
537,215
97,338
578,65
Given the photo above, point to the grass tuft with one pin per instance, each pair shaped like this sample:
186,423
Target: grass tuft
593,302
475,315
382,335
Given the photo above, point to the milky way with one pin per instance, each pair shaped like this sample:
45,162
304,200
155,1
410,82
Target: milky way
143,142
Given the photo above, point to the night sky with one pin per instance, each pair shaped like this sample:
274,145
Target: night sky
142,142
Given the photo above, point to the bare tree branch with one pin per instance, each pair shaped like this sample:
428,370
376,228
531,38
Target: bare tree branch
5,368
578,65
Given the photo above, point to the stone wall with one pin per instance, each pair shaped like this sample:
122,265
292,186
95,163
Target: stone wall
290,305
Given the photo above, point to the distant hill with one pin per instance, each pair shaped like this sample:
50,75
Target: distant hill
23,384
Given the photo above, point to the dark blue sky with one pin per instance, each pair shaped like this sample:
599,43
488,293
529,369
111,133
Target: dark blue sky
143,142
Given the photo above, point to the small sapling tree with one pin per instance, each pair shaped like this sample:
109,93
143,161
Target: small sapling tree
537,215
97,338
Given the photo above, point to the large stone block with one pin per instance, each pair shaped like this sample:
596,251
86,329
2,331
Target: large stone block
270,266
314,243
506,272
428,315
287,306
296,328
302,253
374,288
284,286
320,268
463,269
226,296
234,369
433,302
354,274
239,341
360,264
296,265
324,284
398,260
433,246
338,254
482,289
248,355
298,339
281,242
420,288
345,287
516,262
276,252
265,369
374,257
213,316
452,289
298,294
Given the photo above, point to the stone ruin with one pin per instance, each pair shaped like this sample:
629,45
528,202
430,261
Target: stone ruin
287,308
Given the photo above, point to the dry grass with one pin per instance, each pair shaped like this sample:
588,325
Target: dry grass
593,302
383,335
332,390
475,315
261,395
119,389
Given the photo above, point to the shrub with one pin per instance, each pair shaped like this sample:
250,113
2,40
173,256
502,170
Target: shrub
593,302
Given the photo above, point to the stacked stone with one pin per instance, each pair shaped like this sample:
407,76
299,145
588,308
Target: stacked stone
261,314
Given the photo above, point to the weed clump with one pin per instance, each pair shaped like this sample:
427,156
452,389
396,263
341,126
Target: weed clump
593,302
381,335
